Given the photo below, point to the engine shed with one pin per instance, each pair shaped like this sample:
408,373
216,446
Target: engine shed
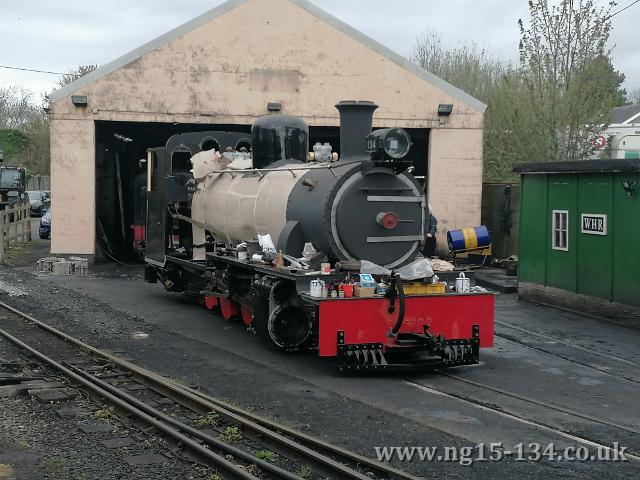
219,72
579,231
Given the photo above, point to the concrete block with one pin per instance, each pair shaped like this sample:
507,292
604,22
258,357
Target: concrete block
118,442
96,427
145,459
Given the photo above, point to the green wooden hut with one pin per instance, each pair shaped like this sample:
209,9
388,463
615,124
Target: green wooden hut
580,235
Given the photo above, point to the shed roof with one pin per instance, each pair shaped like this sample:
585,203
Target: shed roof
626,114
232,4
580,166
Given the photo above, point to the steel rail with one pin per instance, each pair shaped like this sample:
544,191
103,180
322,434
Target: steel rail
520,419
573,345
541,403
231,469
568,358
303,437
251,421
214,442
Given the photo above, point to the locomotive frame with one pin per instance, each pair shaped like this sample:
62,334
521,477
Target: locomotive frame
390,332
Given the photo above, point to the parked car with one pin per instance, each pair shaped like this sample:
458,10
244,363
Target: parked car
39,201
45,224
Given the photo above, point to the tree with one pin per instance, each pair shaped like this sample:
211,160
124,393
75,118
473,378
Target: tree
570,83
492,80
37,153
76,73
16,107
24,130
24,126
633,96
467,67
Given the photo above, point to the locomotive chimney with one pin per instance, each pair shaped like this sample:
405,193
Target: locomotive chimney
356,120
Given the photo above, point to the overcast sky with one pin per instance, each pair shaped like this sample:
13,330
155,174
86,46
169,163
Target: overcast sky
58,35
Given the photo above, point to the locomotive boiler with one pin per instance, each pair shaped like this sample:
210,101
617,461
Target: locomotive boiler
367,205
312,219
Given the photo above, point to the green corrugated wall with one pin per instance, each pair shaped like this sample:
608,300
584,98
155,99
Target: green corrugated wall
532,251
603,266
625,228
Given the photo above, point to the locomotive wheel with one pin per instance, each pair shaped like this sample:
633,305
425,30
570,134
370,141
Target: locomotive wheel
289,328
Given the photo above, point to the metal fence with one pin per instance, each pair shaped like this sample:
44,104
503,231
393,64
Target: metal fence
15,227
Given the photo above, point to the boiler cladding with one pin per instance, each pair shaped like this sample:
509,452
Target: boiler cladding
352,209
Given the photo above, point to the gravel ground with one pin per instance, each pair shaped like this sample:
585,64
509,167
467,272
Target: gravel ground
36,442
254,386
47,446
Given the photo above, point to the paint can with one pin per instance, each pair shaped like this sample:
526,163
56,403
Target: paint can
463,284
325,268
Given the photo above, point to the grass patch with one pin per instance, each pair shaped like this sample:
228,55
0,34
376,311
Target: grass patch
267,455
305,471
208,420
107,413
231,435
203,472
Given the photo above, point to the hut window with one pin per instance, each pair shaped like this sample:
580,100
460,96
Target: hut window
560,230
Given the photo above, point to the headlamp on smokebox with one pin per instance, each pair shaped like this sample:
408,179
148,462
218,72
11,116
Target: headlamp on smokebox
388,147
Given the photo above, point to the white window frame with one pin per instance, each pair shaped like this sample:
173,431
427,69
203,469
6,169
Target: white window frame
555,228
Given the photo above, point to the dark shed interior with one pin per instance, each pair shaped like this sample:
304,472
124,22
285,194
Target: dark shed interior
121,152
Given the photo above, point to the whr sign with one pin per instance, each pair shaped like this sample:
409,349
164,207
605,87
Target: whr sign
594,224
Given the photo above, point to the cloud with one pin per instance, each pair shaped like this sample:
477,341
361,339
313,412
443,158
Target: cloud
61,35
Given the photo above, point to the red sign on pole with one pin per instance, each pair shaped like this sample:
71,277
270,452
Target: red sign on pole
599,141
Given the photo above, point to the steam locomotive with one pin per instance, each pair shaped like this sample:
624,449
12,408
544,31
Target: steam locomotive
253,225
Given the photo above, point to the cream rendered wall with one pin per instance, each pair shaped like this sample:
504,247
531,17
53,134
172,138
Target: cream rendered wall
455,179
225,71
73,186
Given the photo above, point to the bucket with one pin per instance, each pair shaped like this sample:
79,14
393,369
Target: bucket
348,291
463,284
469,238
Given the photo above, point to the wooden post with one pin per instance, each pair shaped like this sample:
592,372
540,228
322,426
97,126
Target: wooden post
29,233
14,224
11,226
20,226
2,228
24,225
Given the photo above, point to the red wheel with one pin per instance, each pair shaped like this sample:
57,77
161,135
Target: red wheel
247,316
211,302
229,308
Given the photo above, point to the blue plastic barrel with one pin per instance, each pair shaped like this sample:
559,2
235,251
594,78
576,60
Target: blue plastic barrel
469,238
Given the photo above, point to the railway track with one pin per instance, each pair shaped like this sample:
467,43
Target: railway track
521,418
575,346
237,443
